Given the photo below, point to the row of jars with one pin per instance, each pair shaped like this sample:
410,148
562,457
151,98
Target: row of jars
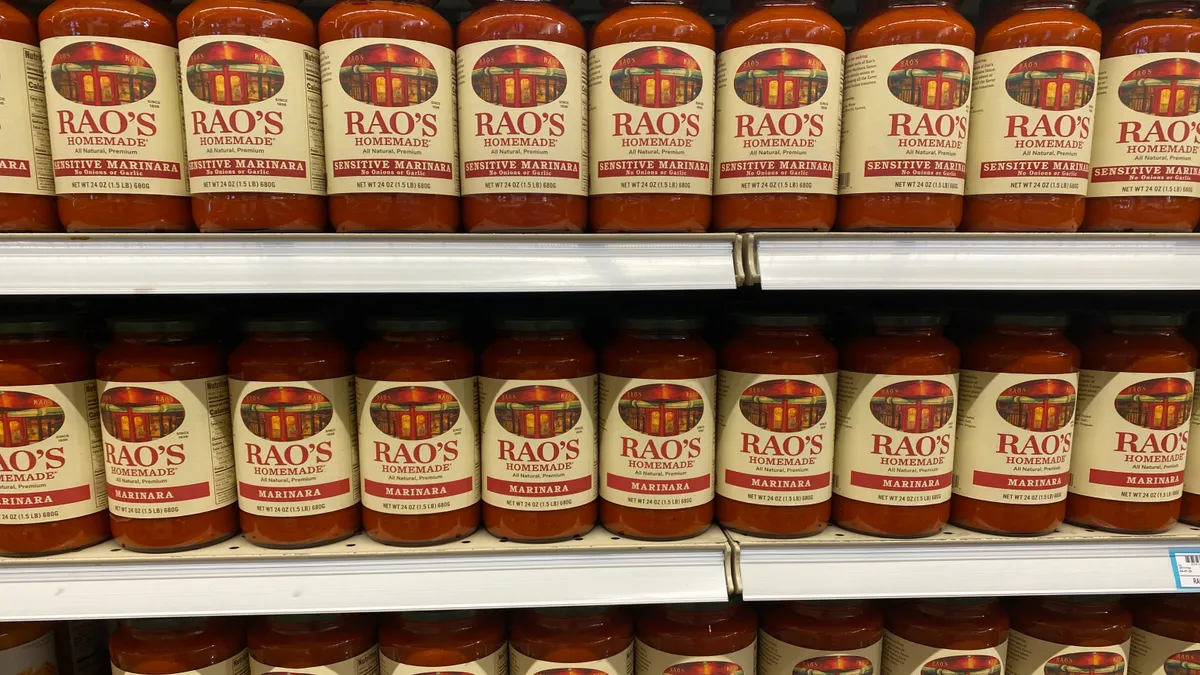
372,132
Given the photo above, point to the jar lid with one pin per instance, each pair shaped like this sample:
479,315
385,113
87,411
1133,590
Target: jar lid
416,324
908,320
780,320
284,324
660,323
1146,319
539,324
1110,6
34,324
1032,319
149,325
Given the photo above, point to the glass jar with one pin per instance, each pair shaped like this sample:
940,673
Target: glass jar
472,639
28,647
174,646
718,638
1068,634
339,642
594,640
834,637
946,635
1166,633
27,201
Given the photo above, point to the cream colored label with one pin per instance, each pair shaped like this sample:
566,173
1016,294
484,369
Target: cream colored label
779,108
25,166
652,118
657,442
904,657
775,437
418,446
366,663
51,459
390,115
32,658
295,446
166,447
1153,654
617,664
904,119
539,443
253,117
237,665
776,657
1031,121
651,661
495,663
1028,655
115,119
1147,127
523,117
1014,436
1131,436
895,438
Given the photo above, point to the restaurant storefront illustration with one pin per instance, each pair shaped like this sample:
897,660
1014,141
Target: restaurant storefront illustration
518,76
388,75
963,664
285,414
1086,663
226,72
1038,405
102,74
139,414
1057,80
28,418
414,413
781,79
934,79
1182,663
834,664
661,409
783,406
1164,88
656,77
914,406
538,411
1158,404
705,668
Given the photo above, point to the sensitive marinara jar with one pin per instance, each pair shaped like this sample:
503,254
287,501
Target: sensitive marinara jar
779,102
26,178
895,438
165,423
522,101
651,124
391,155
718,638
775,420
52,485
253,79
904,120
537,400
470,641
1016,420
319,644
418,445
176,646
116,133
657,431
1166,634
834,637
586,640
1131,437
1145,160
28,647
1058,635
960,636
1031,119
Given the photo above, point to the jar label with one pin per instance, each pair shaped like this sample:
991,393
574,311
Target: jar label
651,661
418,447
904,119
1131,436
1028,655
390,117
51,460
652,113
1147,122
775,438
1014,436
617,664
25,166
657,441
523,106
495,663
235,665
776,657
539,443
1031,121
779,109
167,451
35,657
254,120
905,657
115,121
366,663
1153,654
296,446
895,438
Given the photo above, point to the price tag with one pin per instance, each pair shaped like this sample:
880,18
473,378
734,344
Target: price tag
1185,562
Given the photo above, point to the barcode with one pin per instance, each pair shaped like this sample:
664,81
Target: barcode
1192,559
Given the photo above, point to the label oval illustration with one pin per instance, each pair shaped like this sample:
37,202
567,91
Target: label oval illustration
1163,88
783,406
27,418
538,411
101,74
227,72
963,664
388,76
284,414
661,409
656,77
139,414
518,76
1053,80
1086,663
1158,404
914,406
933,79
1038,405
414,413
784,78
835,664
704,668
1182,663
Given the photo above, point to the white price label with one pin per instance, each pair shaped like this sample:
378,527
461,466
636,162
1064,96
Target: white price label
1186,566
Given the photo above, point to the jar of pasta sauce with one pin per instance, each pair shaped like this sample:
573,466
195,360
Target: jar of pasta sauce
27,202
1189,504
27,647
418,443
897,393
1166,634
963,636
719,638
591,640
164,418
1131,438
177,646
775,422
469,641
820,637
1058,635
344,644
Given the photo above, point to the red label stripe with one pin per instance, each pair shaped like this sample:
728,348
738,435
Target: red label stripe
539,488
1011,482
33,500
901,483
304,493
1135,480
159,495
418,490
776,483
642,486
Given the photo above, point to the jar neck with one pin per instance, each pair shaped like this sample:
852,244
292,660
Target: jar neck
1167,9
159,629
681,334
157,338
1188,602
573,619
1030,331
301,624
1031,5
700,615
1145,331
1081,606
297,336
830,609
956,609
440,623
29,338
781,332
540,336
899,4
908,331
822,5
419,336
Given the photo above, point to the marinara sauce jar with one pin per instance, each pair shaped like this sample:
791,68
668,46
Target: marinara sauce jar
594,640
522,103
782,61
946,635
1135,405
1166,634
657,430
1068,634
292,394
472,640
164,417
314,643
253,74
775,420
1016,420
537,398
1039,60
905,113
27,188
173,646
391,156
1140,168
897,400
116,131
28,647
53,470
720,638
842,637
1189,504
655,65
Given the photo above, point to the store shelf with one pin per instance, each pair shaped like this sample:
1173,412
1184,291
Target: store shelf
376,263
